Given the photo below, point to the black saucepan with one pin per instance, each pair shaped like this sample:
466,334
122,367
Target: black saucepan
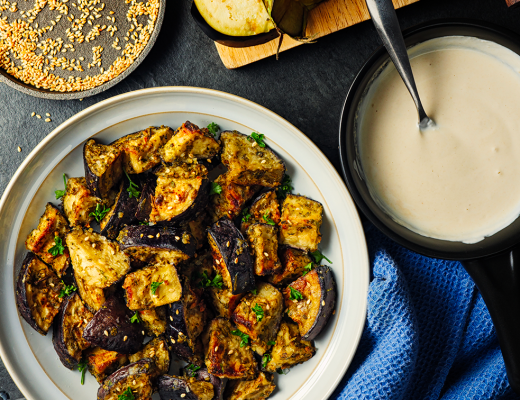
494,263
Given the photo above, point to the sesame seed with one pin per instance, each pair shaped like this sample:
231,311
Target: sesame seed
183,395
236,260
19,149
177,238
158,235
323,303
227,244
267,307
125,338
262,162
142,234
171,318
105,333
38,116
33,114
177,312
230,352
47,120
216,348
142,332
150,236
173,340
47,114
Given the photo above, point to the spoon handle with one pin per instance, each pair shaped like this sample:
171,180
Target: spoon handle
387,26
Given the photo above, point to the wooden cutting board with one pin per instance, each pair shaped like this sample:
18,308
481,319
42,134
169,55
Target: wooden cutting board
330,16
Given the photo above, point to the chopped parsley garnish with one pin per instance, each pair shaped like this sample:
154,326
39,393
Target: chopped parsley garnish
285,188
215,282
265,359
295,295
67,289
282,371
243,336
213,128
127,395
245,215
318,256
82,367
58,247
215,188
132,189
135,318
271,343
191,369
144,223
258,138
254,291
268,219
307,269
259,311
99,214
154,286
60,193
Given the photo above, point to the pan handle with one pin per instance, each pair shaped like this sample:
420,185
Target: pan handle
498,280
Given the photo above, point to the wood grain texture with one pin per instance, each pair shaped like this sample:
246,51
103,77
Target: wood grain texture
511,3
330,16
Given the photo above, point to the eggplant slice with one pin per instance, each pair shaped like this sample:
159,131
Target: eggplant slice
312,311
112,330
294,262
102,363
103,167
263,239
52,224
157,351
173,387
259,388
67,332
38,293
265,207
224,301
121,213
231,256
248,163
79,202
135,377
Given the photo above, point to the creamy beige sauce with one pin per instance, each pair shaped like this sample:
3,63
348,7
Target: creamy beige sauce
461,180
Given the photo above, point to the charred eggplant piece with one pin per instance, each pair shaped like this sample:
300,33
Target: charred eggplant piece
224,301
38,293
154,320
121,213
67,333
157,244
300,223
289,349
101,363
227,355
173,387
231,256
135,377
315,295
197,267
263,209
141,149
259,388
294,262
111,329
248,163
157,351
79,202
202,374
103,167
263,239
146,199
197,227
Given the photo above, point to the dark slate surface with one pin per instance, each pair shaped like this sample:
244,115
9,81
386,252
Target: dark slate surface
307,86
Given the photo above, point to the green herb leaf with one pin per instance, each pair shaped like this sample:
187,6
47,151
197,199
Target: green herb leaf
265,359
258,138
215,188
154,286
216,282
243,336
245,215
135,318
213,128
282,371
67,289
254,291
271,343
307,269
318,256
99,214
295,295
58,247
144,223
191,369
60,193
259,311
127,395
132,189
82,367
268,219
285,187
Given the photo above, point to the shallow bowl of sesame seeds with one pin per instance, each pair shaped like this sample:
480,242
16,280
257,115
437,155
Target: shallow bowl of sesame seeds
71,49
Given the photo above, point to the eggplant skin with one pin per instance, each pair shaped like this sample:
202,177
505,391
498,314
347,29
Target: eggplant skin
203,375
146,199
68,330
173,387
37,293
157,351
111,329
312,313
231,256
136,376
121,213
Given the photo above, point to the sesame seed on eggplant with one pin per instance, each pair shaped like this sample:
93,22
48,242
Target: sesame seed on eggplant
135,377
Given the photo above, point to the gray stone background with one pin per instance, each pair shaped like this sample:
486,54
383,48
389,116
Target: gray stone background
307,86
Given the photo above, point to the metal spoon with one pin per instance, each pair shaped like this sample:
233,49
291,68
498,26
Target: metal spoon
385,19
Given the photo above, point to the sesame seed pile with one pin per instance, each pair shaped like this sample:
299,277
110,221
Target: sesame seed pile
73,45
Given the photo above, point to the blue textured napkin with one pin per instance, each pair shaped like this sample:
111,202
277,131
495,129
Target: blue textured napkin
428,334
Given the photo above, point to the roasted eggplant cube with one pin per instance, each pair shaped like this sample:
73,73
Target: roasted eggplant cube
141,149
197,267
258,389
231,200
67,332
103,167
136,377
202,374
111,328
312,311
289,349
197,227
227,356
259,315
294,262
154,244
152,286
79,202
248,163
224,301
52,224
154,320
190,142
301,222
263,240
38,293
121,213
101,363
157,351
264,208
173,387
231,256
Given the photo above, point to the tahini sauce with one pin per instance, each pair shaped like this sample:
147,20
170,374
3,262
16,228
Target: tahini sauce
461,180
